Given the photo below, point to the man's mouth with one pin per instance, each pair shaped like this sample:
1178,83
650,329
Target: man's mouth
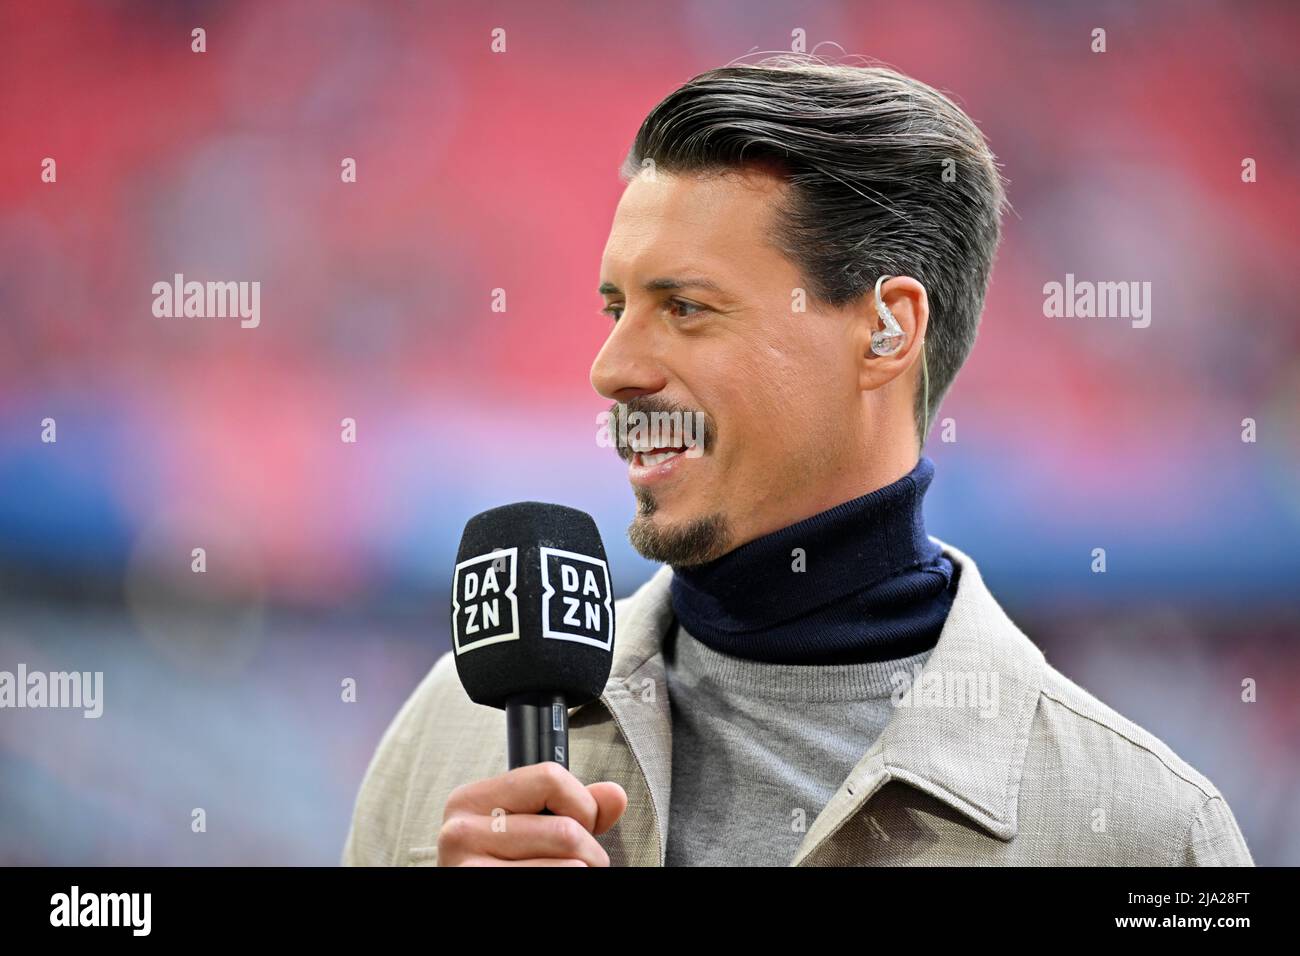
651,458
650,464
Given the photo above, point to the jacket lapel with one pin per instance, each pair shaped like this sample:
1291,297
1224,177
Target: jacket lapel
968,759
636,696
943,741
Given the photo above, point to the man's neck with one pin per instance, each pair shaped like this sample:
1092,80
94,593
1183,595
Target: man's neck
858,581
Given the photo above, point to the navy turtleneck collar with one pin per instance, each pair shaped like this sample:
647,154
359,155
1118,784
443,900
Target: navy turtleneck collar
873,586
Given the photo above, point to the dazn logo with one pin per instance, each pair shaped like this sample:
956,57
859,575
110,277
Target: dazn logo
577,604
484,609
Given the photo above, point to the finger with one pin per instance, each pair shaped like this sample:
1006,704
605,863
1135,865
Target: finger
527,790
611,801
521,836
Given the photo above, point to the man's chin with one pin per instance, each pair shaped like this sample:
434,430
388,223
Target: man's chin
679,542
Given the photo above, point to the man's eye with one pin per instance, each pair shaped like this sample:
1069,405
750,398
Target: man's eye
678,307
683,304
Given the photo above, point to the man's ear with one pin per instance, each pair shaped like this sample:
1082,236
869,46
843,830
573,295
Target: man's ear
906,300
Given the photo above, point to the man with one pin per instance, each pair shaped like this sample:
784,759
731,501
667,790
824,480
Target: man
800,258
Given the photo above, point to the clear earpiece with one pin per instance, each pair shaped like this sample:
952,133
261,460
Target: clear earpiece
890,339
885,342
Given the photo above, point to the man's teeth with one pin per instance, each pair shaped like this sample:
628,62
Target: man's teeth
650,459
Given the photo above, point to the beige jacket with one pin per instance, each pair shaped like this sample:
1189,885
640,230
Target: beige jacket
1049,776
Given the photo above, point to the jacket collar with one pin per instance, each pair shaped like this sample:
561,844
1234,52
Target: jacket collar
948,743
969,757
636,693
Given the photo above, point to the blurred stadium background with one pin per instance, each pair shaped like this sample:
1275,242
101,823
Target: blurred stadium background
480,171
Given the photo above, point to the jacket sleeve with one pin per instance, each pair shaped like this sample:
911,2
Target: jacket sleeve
373,839
1214,839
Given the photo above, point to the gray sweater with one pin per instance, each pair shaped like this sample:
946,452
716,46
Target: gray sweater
758,749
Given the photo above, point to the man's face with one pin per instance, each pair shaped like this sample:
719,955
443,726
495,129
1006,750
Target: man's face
717,331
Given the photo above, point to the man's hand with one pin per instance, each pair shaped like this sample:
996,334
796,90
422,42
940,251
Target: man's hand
497,822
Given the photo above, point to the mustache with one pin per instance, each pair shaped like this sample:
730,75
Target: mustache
626,417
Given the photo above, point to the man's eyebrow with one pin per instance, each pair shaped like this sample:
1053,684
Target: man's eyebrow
669,284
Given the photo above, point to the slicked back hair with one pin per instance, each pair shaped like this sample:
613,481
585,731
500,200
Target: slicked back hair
886,175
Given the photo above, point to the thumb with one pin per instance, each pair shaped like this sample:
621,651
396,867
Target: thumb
611,801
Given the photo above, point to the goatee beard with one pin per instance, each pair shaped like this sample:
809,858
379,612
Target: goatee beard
689,543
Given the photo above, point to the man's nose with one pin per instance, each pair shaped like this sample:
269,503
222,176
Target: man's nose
626,365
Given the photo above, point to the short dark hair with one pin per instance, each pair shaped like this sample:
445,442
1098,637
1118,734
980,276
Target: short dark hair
864,150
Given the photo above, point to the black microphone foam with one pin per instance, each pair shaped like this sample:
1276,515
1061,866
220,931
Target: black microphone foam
532,609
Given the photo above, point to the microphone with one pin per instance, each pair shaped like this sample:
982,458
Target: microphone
532,621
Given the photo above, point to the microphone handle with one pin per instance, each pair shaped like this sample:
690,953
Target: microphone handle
537,730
